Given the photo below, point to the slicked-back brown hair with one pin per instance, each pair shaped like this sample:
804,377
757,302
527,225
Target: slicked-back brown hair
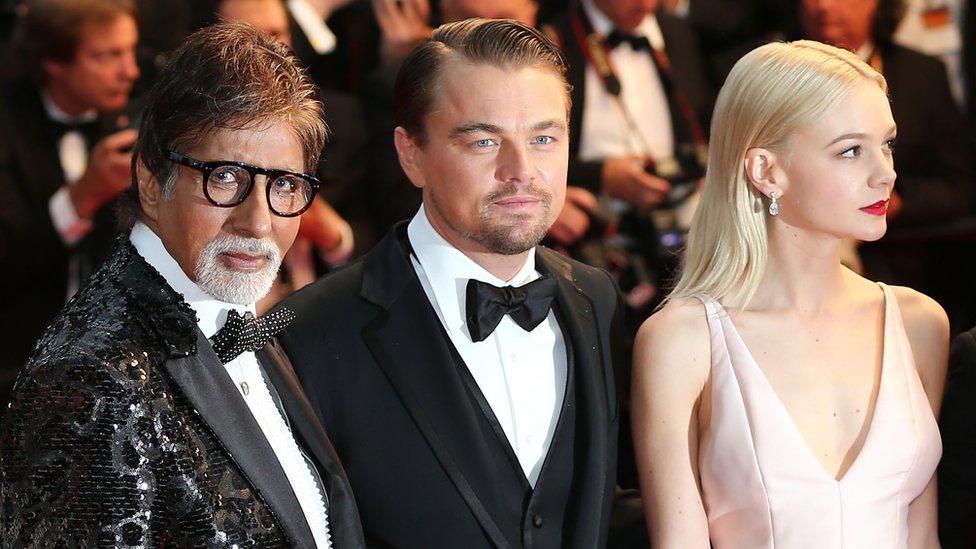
500,43
51,29
223,77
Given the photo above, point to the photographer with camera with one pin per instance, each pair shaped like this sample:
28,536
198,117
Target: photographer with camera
640,105
65,157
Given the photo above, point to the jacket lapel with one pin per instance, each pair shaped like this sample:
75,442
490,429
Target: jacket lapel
595,395
343,514
406,341
577,311
206,385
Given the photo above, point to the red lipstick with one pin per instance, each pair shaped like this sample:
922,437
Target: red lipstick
878,208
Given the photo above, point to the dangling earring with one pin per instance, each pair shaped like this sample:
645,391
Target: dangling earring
773,206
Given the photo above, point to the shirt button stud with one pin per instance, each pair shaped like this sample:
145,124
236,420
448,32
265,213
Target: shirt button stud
537,521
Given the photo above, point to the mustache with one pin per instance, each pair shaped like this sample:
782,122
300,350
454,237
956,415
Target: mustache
242,244
512,189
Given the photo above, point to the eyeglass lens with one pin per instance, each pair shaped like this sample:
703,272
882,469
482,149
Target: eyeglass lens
288,193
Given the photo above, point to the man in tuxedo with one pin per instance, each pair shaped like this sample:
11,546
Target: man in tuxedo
63,160
154,411
465,373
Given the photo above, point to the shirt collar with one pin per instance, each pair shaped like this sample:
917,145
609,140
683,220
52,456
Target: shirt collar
602,25
211,312
448,269
55,113
865,51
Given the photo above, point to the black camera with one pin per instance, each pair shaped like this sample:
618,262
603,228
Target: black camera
682,172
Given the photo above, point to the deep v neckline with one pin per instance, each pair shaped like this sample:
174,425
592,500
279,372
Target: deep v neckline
807,449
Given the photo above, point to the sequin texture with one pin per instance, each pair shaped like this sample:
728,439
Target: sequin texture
98,446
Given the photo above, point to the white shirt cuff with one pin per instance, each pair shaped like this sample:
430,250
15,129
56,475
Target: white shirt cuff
65,219
340,254
322,39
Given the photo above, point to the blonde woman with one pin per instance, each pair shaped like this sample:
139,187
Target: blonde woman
781,400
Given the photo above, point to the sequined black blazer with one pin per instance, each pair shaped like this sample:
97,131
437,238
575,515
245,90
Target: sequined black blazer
124,430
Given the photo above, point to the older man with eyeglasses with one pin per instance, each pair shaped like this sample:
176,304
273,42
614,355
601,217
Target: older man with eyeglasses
154,410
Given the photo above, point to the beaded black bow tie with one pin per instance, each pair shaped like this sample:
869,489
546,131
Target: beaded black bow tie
245,333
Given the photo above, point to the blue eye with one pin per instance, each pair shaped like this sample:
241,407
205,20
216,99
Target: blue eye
543,140
484,143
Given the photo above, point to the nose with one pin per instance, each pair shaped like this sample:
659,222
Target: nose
884,173
130,67
252,218
514,164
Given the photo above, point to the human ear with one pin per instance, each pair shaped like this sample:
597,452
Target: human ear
150,191
409,152
763,171
52,69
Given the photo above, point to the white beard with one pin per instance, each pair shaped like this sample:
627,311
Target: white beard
234,286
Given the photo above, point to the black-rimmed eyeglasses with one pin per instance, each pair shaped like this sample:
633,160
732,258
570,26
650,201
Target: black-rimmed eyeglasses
227,184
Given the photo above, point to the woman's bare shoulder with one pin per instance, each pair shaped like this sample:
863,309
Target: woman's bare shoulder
923,317
675,336
927,327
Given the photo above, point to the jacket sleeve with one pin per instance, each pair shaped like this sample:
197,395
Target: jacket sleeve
957,474
79,455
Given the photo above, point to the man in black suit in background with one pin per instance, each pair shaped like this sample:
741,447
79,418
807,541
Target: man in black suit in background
63,160
464,373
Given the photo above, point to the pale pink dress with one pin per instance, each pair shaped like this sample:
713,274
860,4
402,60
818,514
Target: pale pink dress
763,487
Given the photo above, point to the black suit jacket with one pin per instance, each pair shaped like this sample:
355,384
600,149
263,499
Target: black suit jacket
125,429
957,471
369,350
33,259
687,68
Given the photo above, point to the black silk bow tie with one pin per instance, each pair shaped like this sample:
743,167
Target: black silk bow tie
637,43
89,130
528,305
246,333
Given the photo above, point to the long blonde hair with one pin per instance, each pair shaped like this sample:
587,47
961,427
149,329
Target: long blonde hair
772,92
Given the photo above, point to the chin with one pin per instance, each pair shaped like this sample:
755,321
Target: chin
113,104
513,239
233,286
874,233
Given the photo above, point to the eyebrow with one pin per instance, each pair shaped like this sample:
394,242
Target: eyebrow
476,127
484,127
858,135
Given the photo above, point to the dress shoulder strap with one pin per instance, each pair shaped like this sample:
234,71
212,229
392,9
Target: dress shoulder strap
714,313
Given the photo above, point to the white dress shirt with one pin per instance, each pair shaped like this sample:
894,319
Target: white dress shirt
319,36
246,375
605,132
73,157
521,374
